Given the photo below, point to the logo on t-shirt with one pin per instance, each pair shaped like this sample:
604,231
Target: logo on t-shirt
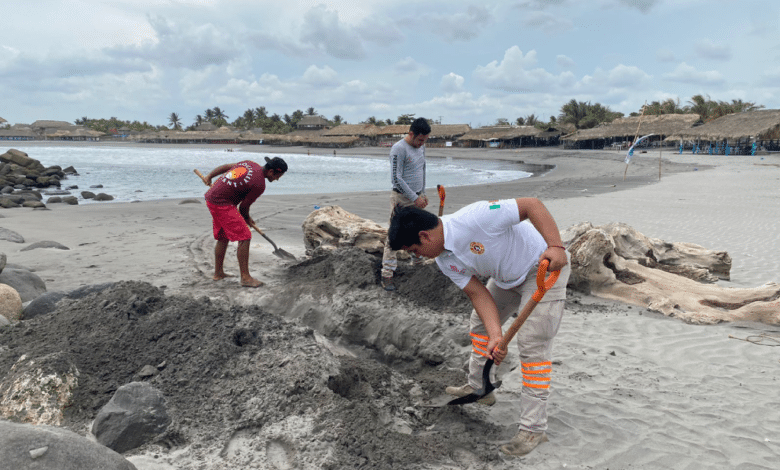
239,176
459,271
477,248
494,205
236,173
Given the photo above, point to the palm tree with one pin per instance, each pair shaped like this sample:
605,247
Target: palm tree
531,120
249,118
175,121
520,121
219,114
573,112
261,113
310,111
701,106
337,119
209,115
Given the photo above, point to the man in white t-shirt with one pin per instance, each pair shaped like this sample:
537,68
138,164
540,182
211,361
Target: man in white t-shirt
505,241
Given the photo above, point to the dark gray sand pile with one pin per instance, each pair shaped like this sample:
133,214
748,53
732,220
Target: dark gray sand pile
249,388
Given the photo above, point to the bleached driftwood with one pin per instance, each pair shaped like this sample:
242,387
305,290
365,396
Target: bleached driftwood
332,227
617,262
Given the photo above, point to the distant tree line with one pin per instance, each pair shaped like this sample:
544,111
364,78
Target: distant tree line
580,114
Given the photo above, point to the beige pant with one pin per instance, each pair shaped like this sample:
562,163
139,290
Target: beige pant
534,341
389,259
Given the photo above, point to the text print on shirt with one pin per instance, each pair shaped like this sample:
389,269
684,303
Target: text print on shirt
238,176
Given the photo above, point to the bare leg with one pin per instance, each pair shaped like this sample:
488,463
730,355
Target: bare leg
219,259
243,265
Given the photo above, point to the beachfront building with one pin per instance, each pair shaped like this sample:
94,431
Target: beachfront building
502,137
741,133
621,133
388,135
312,123
360,134
445,135
18,132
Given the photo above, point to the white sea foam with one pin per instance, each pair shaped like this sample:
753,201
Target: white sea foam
142,174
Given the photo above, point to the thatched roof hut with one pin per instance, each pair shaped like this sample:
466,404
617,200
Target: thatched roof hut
626,128
2,120
757,125
360,130
448,131
392,130
312,122
500,133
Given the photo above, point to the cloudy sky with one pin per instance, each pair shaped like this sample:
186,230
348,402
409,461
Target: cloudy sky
457,61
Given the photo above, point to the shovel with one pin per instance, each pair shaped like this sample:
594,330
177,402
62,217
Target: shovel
542,286
442,195
277,251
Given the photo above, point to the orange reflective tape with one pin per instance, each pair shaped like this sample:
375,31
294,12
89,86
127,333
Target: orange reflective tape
525,384
479,352
536,364
479,336
536,379
538,371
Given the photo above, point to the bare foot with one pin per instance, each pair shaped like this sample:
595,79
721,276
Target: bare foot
220,276
251,283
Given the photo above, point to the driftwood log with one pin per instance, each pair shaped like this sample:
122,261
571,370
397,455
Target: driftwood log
616,262
332,227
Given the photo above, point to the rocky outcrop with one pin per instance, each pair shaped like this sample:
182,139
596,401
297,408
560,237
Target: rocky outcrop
22,177
28,284
617,262
135,415
28,447
10,303
36,390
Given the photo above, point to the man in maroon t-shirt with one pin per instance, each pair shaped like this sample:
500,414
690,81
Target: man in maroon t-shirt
228,201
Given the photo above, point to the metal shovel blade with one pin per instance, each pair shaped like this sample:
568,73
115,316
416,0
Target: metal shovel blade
487,387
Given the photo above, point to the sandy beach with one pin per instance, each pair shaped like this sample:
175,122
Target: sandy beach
631,388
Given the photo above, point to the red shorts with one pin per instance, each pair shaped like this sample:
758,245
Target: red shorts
228,223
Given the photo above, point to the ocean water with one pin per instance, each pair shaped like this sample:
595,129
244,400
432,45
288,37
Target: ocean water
149,173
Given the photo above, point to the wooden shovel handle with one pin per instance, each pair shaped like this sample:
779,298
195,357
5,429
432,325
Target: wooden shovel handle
442,195
202,177
542,286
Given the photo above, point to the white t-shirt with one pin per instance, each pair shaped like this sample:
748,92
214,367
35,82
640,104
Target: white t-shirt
486,238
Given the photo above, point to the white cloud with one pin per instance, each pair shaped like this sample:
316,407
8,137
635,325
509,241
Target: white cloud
453,27
565,62
325,76
642,5
684,73
452,83
547,22
516,73
709,50
323,30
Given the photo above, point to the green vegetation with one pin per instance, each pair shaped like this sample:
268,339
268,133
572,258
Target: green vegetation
707,108
581,115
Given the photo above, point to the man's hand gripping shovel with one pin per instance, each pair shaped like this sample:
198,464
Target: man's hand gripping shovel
543,284
277,251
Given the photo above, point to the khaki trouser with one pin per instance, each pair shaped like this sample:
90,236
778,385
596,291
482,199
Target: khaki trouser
389,260
534,341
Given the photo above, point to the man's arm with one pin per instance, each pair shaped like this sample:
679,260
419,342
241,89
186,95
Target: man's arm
532,209
488,312
218,171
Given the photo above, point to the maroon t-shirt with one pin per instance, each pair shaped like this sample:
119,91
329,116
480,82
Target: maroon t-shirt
243,184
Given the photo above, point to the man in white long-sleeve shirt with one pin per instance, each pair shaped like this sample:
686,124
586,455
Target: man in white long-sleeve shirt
407,175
